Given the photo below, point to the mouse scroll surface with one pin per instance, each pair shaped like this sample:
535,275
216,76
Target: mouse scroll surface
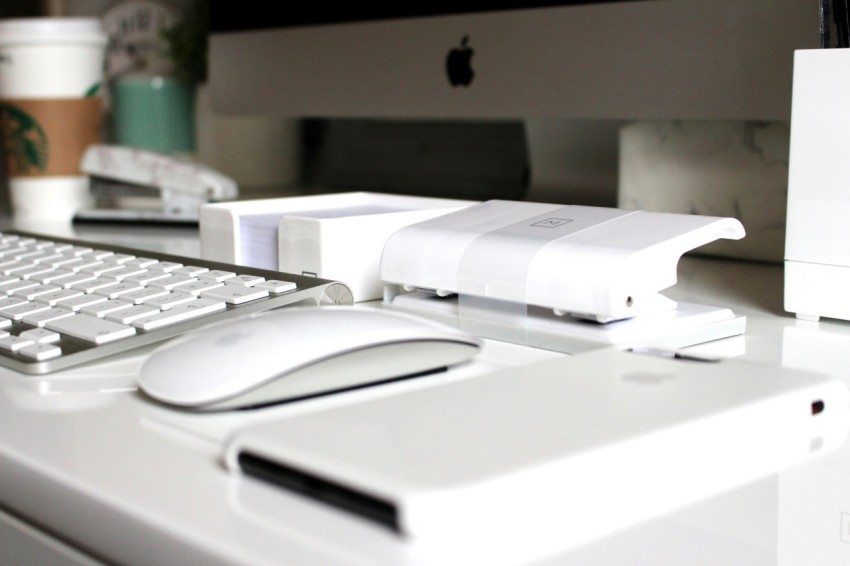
298,352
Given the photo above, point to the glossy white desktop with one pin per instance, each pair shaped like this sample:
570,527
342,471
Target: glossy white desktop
91,471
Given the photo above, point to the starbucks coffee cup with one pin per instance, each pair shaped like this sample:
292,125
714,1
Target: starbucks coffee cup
51,71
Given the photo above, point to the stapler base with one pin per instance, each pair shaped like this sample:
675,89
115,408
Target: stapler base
687,325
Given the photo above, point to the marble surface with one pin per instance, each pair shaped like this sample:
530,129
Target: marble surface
737,169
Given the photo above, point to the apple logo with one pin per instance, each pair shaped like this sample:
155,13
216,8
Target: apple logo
459,64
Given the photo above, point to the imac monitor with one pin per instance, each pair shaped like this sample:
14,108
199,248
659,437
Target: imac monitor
613,60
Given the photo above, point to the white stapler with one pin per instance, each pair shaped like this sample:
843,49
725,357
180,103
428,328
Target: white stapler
130,184
530,261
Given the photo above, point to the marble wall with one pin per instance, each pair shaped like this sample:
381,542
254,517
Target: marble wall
737,169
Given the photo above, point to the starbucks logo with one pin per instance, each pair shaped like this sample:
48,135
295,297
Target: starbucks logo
23,140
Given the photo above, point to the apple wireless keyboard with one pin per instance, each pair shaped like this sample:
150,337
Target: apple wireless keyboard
65,302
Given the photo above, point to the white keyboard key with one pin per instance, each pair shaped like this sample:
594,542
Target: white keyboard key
171,300
195,309
172,282
94,284
101,268
14,343
41,335
65,262
5,322
81,301
140,262
126,271
40,318
7,302
147,277
69,282
235,294
19,285
7,279
91,328
245,280
127,316
47,258
143,295
32,292
275,286
32,271
121,258
59,294
98,254
190,270
217,275
101,309
20,311
115,291
15,266
200,286
88,265
78,250
167,266
53,276
40,351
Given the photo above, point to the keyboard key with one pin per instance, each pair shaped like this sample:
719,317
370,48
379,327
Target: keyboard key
14,343
127,316
7,302
274,286
40,318
246,280
41,335
167,266
30,293
101,309
40,351
80,302
190,270
116,291
172,282
19,285
148,277
20,311
53,298
171,300
95,284
91,328
217,275
143,295
69,282
181,313
235,294
200,286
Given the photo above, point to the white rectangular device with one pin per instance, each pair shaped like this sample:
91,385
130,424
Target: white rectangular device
536,273
555,455
595,262
817,241
315,235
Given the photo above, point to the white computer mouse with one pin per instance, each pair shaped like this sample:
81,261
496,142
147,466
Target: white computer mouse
298,352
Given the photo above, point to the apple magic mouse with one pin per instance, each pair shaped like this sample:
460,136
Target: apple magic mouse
298,352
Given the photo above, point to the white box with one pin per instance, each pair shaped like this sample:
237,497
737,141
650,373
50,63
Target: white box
817,245
336,236
549,457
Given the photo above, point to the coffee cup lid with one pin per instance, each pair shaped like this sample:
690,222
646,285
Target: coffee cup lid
21,31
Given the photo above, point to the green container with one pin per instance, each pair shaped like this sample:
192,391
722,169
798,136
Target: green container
155,113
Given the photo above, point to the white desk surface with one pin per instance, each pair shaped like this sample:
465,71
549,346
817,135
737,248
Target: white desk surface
87,460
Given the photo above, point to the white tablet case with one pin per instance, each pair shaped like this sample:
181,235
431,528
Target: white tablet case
559,453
